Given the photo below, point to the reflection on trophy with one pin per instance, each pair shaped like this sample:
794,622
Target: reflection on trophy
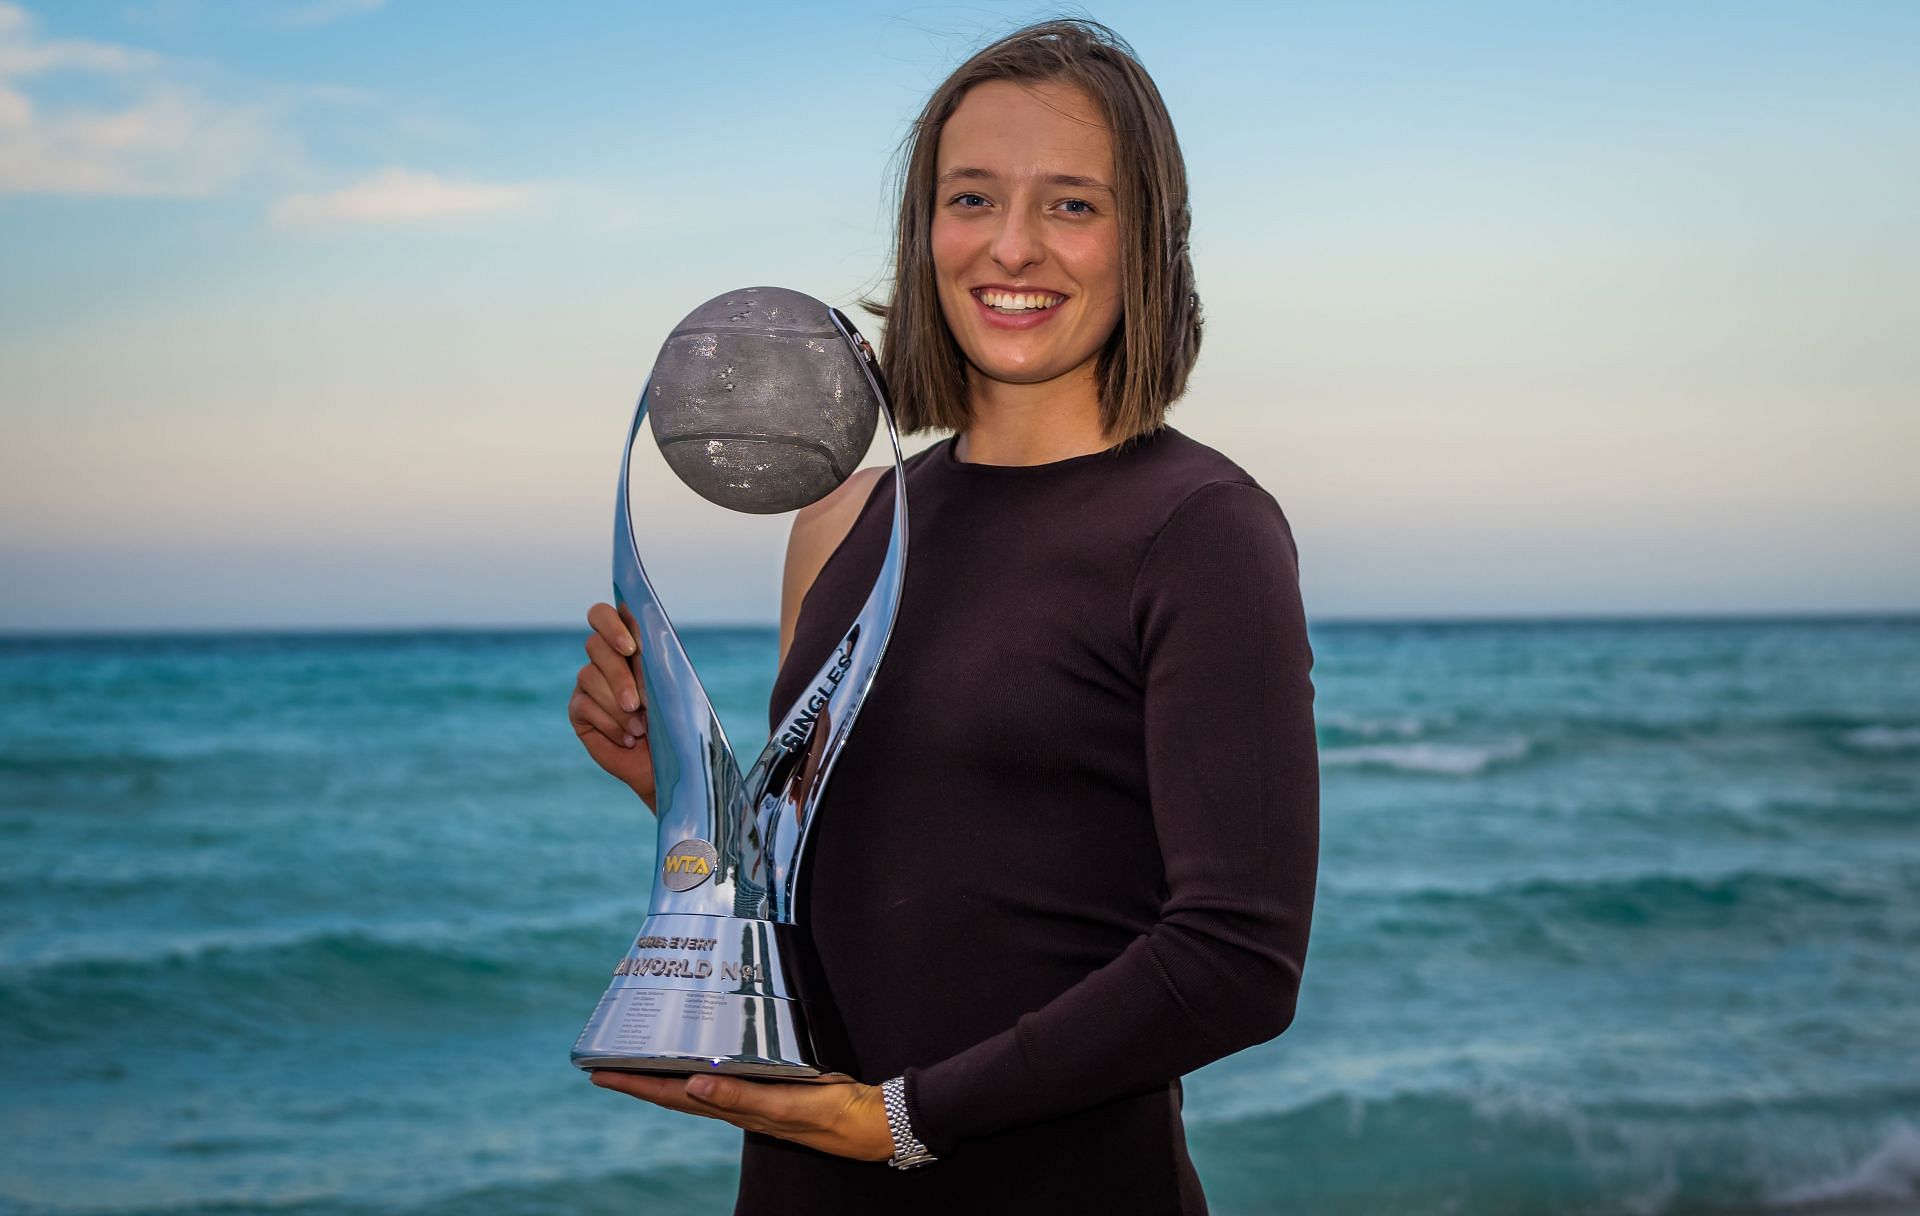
762,400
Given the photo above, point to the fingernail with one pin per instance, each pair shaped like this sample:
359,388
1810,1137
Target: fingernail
626,645
629,702
702,1087
626,741
635,726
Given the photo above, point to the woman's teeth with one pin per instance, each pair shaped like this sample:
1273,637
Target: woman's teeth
1019,301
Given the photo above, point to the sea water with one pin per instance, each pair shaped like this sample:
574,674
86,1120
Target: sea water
1614,917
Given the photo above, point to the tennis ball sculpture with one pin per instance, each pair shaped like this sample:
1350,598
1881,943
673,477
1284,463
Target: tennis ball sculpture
759,403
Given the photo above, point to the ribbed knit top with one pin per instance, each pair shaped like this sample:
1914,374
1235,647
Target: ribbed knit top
1069,851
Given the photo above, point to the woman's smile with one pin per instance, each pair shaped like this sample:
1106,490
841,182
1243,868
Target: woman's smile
1013,308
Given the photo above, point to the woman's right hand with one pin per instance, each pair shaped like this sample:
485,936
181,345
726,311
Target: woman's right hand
609,709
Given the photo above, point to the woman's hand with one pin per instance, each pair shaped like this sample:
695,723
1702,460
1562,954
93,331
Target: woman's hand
844,1118
609,709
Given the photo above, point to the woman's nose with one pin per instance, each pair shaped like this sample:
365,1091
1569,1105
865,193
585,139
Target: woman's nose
1017,245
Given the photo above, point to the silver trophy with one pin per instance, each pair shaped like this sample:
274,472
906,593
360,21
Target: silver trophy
763,400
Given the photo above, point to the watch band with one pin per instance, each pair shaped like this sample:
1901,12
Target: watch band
907,1150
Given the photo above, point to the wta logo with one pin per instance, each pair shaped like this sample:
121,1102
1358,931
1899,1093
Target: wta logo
688,864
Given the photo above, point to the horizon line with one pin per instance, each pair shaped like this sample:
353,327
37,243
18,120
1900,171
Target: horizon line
1651,617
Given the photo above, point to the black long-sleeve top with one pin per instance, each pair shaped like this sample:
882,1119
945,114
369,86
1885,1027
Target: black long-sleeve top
1069,851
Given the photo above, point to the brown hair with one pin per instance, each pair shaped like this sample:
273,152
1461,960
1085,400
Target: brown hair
1143,367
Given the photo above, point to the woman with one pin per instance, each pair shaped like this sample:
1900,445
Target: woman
1069,850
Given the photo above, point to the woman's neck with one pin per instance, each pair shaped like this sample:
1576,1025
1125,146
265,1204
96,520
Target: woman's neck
1018,424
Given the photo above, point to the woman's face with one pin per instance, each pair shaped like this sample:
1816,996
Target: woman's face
1026,240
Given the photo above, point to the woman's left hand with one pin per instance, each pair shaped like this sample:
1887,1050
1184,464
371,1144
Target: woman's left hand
844,1118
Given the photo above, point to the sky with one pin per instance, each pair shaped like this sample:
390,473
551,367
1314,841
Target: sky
333,312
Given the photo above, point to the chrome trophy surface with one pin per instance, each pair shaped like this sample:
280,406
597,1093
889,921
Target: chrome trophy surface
715,979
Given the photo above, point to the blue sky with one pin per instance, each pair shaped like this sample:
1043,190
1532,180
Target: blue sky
333,311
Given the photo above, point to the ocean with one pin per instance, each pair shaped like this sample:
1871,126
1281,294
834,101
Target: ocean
1615,916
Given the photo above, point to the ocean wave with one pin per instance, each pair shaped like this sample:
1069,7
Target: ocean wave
1417,1152
110,784
172,952
1416,742
1410,1152
104,765
1881,739
1445,759
1770,904
276,981
1890,1173
695,1189
1403,726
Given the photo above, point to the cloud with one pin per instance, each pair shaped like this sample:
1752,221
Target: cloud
23,55
134,129
164,140
402,194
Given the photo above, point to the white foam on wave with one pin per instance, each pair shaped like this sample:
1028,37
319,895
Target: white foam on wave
1405,727
1446,759
1889,1174
1882,738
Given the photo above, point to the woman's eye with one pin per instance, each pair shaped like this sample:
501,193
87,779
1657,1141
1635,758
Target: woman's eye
967,200
1078,206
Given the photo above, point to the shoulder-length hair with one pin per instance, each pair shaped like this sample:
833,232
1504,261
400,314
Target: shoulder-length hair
1143,367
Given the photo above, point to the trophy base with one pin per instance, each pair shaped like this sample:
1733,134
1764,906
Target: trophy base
663,1066
672,1026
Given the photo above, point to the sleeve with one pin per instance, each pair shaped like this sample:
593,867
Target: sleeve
1234,783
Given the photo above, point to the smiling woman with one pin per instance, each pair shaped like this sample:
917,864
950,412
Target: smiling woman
1071,846
1046,164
